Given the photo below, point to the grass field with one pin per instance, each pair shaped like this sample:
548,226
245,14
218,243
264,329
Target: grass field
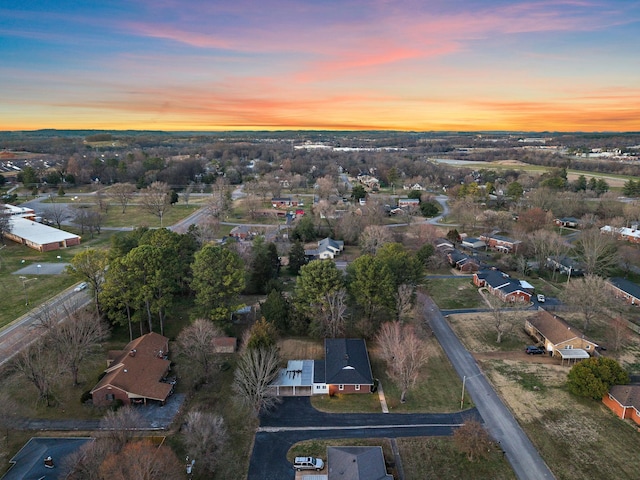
576,437
453,293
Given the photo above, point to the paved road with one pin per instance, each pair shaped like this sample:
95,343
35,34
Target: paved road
296,420
20,333
522,455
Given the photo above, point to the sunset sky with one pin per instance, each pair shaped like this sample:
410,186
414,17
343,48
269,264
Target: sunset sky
320,64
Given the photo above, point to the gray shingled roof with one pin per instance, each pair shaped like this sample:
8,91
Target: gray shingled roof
356,463
347,362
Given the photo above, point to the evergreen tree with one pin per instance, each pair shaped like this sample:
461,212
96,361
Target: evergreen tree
297,258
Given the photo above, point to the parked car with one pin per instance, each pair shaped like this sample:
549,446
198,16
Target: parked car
81,287
541,298
308,463
533,350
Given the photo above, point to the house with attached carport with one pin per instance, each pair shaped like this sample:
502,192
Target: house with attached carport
501,243
327,248
136,374
560,339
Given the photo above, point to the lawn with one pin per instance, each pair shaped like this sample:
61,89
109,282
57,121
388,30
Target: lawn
36,288
136,216
576,437
454,293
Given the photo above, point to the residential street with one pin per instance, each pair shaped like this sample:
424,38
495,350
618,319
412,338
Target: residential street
522,455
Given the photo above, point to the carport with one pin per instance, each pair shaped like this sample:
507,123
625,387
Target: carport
295,380
574,354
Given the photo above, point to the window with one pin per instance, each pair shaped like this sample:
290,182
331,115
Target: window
357,387
340,387
588,347
110,396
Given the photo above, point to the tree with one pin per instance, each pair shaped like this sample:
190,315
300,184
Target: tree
472,440
218,279
370,284
276,310
156,200
316,279
404,354
196,343
262,335
515,191
405,268
305,230
297,258
123,193
453,236
504,319
333,314
404,301
358,192
74,337
429,209
588,295
597,252
119,427
265,266
5,225
533,219
257,367
374,237
56,212
593,377
91,265
618,334
205,436
143,460
118,295
39,365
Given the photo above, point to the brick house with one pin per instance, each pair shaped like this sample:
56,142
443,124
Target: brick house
136,374
631,235
500,243
624,401
462,261
625,289
501,285
345,368
560,339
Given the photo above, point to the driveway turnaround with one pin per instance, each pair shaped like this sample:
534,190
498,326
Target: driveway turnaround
296,420
522,455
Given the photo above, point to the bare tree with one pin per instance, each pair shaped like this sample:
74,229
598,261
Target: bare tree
187,193
120,426
404,354
56,212
85,462
333,313
404,300
256,369
5,225
38,363
143,460
123,193
102,202
74,337
588,295
196,343
597,252
473,440
156,200
205,436
618,334
373,237
504,319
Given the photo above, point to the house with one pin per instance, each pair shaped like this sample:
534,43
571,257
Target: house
622,288
443,245
567,222
345,368
503,286
327,248
565,265
623,233
38,236
462,261
136,374
283,202
500,243
356,463
408,202
243,232
29,461
560,339
624,401
225,344
473,244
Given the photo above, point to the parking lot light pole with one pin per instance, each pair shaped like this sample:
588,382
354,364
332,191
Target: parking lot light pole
25,280
464,383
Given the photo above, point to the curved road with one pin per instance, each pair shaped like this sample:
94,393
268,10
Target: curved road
522,455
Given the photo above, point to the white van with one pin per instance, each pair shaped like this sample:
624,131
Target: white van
308,463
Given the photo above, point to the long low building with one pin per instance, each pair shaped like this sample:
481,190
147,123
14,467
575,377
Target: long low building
38,236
